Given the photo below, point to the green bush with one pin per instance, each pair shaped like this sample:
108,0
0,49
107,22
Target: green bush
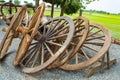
71,8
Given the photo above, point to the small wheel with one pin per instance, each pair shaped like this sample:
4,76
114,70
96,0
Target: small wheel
95,46
7,40
81,31
32,29
8,8
47,45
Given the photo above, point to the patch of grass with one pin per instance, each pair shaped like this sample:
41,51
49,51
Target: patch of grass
111,22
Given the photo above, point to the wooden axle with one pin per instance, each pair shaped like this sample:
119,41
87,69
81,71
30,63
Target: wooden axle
22,30
19,29
5,29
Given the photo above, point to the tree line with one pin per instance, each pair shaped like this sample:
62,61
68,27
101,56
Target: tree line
101,12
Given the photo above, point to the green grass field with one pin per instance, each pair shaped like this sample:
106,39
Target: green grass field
111,22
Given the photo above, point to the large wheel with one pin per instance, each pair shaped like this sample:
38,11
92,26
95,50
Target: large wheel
32,29
47,45
9,35
95,46
81,31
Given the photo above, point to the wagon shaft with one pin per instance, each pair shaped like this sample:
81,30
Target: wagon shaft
38,37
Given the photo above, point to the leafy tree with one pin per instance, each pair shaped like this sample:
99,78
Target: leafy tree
16,2
69,6
2,1
25,2
28,4
72,6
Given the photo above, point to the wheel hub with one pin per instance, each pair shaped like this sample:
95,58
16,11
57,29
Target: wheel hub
40,38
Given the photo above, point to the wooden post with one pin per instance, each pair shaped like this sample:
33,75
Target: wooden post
63,8
80,12
52,9
36,3
10,8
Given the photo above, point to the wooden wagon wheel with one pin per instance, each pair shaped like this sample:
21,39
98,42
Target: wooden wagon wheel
47,46
81,31
8,8
29,33
7,11
92,50
7,40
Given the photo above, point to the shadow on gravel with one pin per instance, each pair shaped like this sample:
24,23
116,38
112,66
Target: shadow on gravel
8,54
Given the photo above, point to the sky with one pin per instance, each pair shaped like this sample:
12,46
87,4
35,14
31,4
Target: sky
112,6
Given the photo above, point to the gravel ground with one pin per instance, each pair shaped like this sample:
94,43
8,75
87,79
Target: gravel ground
8,72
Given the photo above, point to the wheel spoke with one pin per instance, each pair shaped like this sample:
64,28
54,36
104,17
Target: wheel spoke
58,31
84,53
75,21
59,36
67,52
44,29
77,31
32,48
55,27
94,38
76,36
34,43
89,48
76,58
72,43
49,50
49,28
36,56
42,54
97,35
32,54
91,29
94,33
50,42
79,24
94,43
